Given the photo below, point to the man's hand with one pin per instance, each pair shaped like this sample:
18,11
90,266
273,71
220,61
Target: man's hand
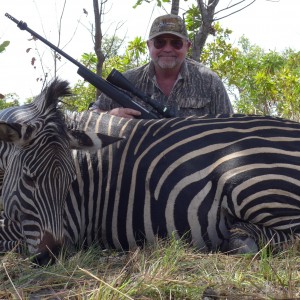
125,112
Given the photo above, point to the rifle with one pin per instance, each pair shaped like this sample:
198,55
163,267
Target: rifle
118,79
108,88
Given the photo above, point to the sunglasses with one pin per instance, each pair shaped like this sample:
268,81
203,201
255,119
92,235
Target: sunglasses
160,43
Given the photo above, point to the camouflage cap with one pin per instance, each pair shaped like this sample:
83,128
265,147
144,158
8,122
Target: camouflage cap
168,24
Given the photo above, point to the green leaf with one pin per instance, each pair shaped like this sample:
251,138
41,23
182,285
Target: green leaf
4,45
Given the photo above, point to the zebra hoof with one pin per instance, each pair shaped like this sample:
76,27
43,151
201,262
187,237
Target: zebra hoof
243,245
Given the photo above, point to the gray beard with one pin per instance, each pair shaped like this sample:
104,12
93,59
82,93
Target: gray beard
167,64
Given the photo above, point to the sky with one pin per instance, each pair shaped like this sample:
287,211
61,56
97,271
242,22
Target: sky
272,25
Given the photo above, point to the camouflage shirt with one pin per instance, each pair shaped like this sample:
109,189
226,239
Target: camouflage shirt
197,91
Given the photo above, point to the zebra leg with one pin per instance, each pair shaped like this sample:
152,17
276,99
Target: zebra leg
249,238
10,236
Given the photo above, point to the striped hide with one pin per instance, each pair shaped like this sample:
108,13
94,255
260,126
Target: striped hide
228,183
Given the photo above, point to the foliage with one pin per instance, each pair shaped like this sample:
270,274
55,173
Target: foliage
89,60
167,269
83,96
193,21
262,82
2,49
259,81
135,51
8,100
111,46
219,51
4,45
158,2
135,55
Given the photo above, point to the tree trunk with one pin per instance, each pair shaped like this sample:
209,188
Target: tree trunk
207,12
98,39
206,28
175,7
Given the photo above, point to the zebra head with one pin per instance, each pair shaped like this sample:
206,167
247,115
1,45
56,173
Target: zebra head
39,170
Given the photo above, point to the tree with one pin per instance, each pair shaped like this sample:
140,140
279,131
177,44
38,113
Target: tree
102,50
205,13
39,57
175,7
206,28
262,82
98,36
99,11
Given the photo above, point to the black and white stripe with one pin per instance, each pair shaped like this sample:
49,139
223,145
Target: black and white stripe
197,175
221,181
38,170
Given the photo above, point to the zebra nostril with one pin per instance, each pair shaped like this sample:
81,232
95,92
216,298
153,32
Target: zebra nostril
44,259
48,250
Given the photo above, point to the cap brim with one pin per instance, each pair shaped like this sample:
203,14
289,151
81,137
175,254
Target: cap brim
168,32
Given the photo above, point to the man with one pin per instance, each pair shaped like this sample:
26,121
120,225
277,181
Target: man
183,85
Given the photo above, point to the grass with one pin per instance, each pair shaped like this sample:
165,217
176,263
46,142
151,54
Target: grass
165,270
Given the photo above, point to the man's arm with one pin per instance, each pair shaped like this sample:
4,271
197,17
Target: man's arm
220,103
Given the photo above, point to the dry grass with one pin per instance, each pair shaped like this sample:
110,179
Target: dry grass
166,270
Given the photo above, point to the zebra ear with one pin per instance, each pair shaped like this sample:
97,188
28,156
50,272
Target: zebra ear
88,140
15,132
10,132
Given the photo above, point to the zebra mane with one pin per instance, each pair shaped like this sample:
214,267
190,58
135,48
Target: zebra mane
49,97
45,105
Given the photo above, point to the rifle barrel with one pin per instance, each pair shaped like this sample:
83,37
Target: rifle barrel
23,26
107,88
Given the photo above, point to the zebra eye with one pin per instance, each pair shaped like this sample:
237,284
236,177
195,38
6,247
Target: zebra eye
29,181
28,177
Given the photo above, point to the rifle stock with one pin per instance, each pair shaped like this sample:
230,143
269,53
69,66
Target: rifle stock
107,88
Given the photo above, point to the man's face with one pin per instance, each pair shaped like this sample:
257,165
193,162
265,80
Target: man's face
168,51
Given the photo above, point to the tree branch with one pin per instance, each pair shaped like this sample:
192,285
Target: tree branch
234,11
228,7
